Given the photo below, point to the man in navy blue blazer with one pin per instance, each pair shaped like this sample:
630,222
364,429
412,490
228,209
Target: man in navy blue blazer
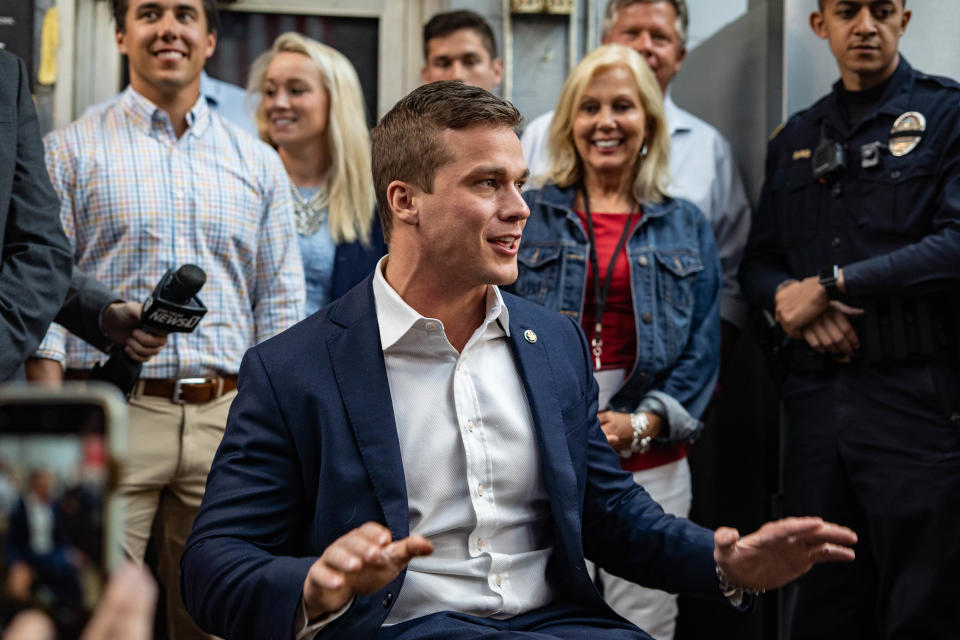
422,458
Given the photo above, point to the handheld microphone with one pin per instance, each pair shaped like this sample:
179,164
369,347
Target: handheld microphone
172,307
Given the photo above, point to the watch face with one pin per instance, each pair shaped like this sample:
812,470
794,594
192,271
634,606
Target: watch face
828,280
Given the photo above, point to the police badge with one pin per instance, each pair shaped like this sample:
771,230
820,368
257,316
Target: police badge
906,133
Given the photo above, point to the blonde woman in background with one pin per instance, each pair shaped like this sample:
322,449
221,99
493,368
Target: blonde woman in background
605,244
311,110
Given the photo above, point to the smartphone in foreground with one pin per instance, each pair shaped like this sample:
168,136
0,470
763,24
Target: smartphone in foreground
60,523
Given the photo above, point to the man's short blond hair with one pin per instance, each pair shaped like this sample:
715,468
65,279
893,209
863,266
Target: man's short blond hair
681,26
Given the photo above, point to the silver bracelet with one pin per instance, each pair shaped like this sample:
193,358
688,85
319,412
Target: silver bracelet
733,593
640,424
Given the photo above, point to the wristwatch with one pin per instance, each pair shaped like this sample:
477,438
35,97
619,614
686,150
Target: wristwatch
828,280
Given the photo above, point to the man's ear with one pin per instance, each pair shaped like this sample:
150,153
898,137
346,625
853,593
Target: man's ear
907,14
681,56
816,24
211,43
402,197
497,65
118,36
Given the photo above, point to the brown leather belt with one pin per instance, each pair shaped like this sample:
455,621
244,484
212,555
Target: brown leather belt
184,390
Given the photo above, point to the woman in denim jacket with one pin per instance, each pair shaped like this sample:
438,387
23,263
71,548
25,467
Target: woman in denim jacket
656,344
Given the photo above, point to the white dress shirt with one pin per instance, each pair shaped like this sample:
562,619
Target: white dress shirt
471,465
702,171
41,521
470,460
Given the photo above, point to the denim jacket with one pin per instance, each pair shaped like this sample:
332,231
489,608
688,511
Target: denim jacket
675,279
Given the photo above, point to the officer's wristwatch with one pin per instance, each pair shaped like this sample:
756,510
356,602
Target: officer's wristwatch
828,280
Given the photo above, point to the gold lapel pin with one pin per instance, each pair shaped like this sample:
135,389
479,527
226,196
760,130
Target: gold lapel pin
530,336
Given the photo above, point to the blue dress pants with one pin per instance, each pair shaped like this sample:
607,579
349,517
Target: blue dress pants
554,622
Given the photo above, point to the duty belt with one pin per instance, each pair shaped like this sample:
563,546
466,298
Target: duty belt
891,330
904,329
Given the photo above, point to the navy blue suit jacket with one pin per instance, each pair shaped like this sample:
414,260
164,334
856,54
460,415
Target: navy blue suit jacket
311,451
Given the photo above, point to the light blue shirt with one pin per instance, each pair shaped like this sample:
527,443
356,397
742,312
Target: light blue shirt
229,100
318,252
702,171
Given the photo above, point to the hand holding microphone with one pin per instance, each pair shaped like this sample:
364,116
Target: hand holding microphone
120,322
173,306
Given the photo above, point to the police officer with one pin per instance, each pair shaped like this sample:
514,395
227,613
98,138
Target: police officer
855,250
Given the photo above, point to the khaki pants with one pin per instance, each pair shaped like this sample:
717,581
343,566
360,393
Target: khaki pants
170,449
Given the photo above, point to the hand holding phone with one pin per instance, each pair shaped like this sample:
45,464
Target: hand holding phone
59,449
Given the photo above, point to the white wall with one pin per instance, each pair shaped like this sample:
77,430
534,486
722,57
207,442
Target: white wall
709,16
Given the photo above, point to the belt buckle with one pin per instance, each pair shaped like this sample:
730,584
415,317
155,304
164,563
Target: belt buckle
178,387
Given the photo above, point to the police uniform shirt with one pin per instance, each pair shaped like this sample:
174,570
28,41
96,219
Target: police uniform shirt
894,227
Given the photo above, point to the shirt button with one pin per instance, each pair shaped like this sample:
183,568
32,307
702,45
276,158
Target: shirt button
480,489
431,326
894,174
469,425
499,581
178,193
479,544
387,599
835,242
647,317
835,191
642,261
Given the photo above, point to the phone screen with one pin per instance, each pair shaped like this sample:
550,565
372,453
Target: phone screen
55,463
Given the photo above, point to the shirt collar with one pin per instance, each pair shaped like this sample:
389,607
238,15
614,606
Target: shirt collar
209,90
396,318
147,115
677,118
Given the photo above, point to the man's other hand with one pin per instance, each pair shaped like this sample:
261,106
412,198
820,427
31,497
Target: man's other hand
358,563
832,332
798,304
119,321
780,551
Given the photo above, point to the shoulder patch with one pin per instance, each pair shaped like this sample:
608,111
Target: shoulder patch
777,131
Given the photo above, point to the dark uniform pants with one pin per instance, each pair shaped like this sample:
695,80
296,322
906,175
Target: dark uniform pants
878,449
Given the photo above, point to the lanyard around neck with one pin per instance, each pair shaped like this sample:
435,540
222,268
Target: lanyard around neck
600,293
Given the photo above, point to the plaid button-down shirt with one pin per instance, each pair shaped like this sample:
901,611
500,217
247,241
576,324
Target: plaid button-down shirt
136,200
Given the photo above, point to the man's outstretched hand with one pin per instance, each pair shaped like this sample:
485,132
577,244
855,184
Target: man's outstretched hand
780,551
358,563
